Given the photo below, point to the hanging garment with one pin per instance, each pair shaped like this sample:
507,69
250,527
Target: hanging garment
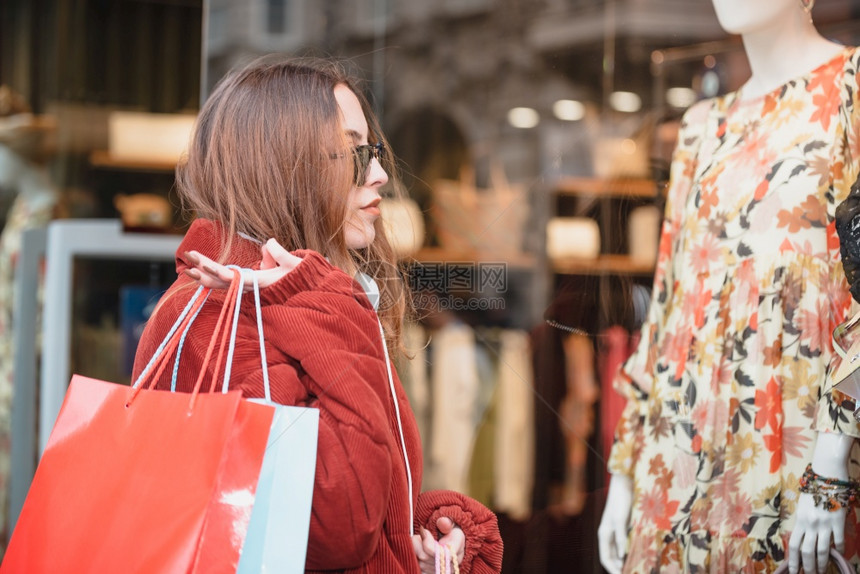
482,476
613,351
455,382
514,448
413,375
577,419
730,380
550,388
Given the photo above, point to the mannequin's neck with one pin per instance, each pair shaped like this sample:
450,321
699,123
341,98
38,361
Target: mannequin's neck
779,53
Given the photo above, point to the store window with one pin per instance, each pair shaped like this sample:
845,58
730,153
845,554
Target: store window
277,16
370,15
577,188
275,25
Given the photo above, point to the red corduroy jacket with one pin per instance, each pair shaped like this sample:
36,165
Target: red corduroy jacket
324,350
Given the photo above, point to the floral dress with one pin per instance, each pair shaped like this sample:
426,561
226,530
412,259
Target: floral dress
731,379
28,211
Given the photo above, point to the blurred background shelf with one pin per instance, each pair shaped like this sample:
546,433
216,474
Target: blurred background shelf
603,265
441,255
103,159
584,186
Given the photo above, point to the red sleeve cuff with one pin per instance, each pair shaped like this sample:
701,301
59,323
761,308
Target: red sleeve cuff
484,546
305,277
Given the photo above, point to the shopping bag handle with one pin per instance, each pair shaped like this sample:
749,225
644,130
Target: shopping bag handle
170,341
232,306
259,315
175,339
226,308
170,344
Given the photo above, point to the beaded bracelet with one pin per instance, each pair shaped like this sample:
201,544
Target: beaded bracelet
829,493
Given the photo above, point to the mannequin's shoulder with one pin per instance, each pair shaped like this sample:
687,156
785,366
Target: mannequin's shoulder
695,118
851,79
852,58
699,111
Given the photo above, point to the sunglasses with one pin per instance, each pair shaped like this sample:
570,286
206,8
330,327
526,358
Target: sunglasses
362,155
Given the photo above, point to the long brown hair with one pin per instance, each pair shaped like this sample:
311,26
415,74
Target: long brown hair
266,160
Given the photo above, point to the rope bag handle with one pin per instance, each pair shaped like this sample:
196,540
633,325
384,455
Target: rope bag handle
174,340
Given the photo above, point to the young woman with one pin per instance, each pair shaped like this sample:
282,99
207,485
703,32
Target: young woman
284,175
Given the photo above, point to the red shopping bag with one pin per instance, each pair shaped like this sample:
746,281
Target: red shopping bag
141,480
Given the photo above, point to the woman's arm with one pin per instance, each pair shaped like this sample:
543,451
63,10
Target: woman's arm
324,350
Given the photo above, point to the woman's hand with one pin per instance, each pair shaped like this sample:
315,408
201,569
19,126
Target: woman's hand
425,546
276,263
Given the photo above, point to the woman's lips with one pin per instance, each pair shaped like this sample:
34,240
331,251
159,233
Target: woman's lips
372,208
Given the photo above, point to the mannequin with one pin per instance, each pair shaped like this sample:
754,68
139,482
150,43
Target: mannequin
739,435
26,145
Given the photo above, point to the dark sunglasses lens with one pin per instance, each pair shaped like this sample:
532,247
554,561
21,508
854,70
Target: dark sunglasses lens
360,162
364,154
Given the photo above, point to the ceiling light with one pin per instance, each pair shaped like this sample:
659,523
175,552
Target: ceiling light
568,110
710,84
680,97
523,117
625,101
